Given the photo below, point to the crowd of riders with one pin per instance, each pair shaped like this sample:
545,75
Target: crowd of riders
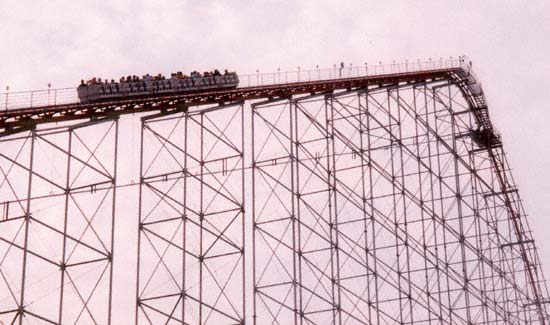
134,78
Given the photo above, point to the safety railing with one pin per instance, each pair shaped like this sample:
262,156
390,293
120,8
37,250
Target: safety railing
37,98
65,96
341,72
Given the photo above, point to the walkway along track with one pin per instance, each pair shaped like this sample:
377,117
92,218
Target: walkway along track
17,120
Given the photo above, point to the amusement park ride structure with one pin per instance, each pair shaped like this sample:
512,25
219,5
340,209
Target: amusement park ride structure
377,194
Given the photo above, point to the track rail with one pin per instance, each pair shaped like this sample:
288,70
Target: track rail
473,92
13,119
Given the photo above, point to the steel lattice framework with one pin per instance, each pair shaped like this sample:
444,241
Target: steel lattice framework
366,197
58,225
191,239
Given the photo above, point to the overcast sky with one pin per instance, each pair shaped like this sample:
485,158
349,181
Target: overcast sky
64,41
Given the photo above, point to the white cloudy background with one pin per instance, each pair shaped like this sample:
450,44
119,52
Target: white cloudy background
60,42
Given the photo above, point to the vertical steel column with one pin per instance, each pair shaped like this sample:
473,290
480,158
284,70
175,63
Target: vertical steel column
362,111
422,146
140,227
185,213
460,204
371,247
333,211
26,240
201,216
295,218
66,214
113,220
253,205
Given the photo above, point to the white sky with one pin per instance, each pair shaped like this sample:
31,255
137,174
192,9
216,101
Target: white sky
64,41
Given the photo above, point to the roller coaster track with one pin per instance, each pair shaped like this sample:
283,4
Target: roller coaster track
473,92
12,119
458,72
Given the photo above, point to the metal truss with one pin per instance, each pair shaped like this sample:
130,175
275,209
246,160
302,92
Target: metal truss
372,199
380,206
56,227
191,237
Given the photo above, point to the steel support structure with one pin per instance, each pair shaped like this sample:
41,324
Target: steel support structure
191,233
378,206
57,225
372,199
